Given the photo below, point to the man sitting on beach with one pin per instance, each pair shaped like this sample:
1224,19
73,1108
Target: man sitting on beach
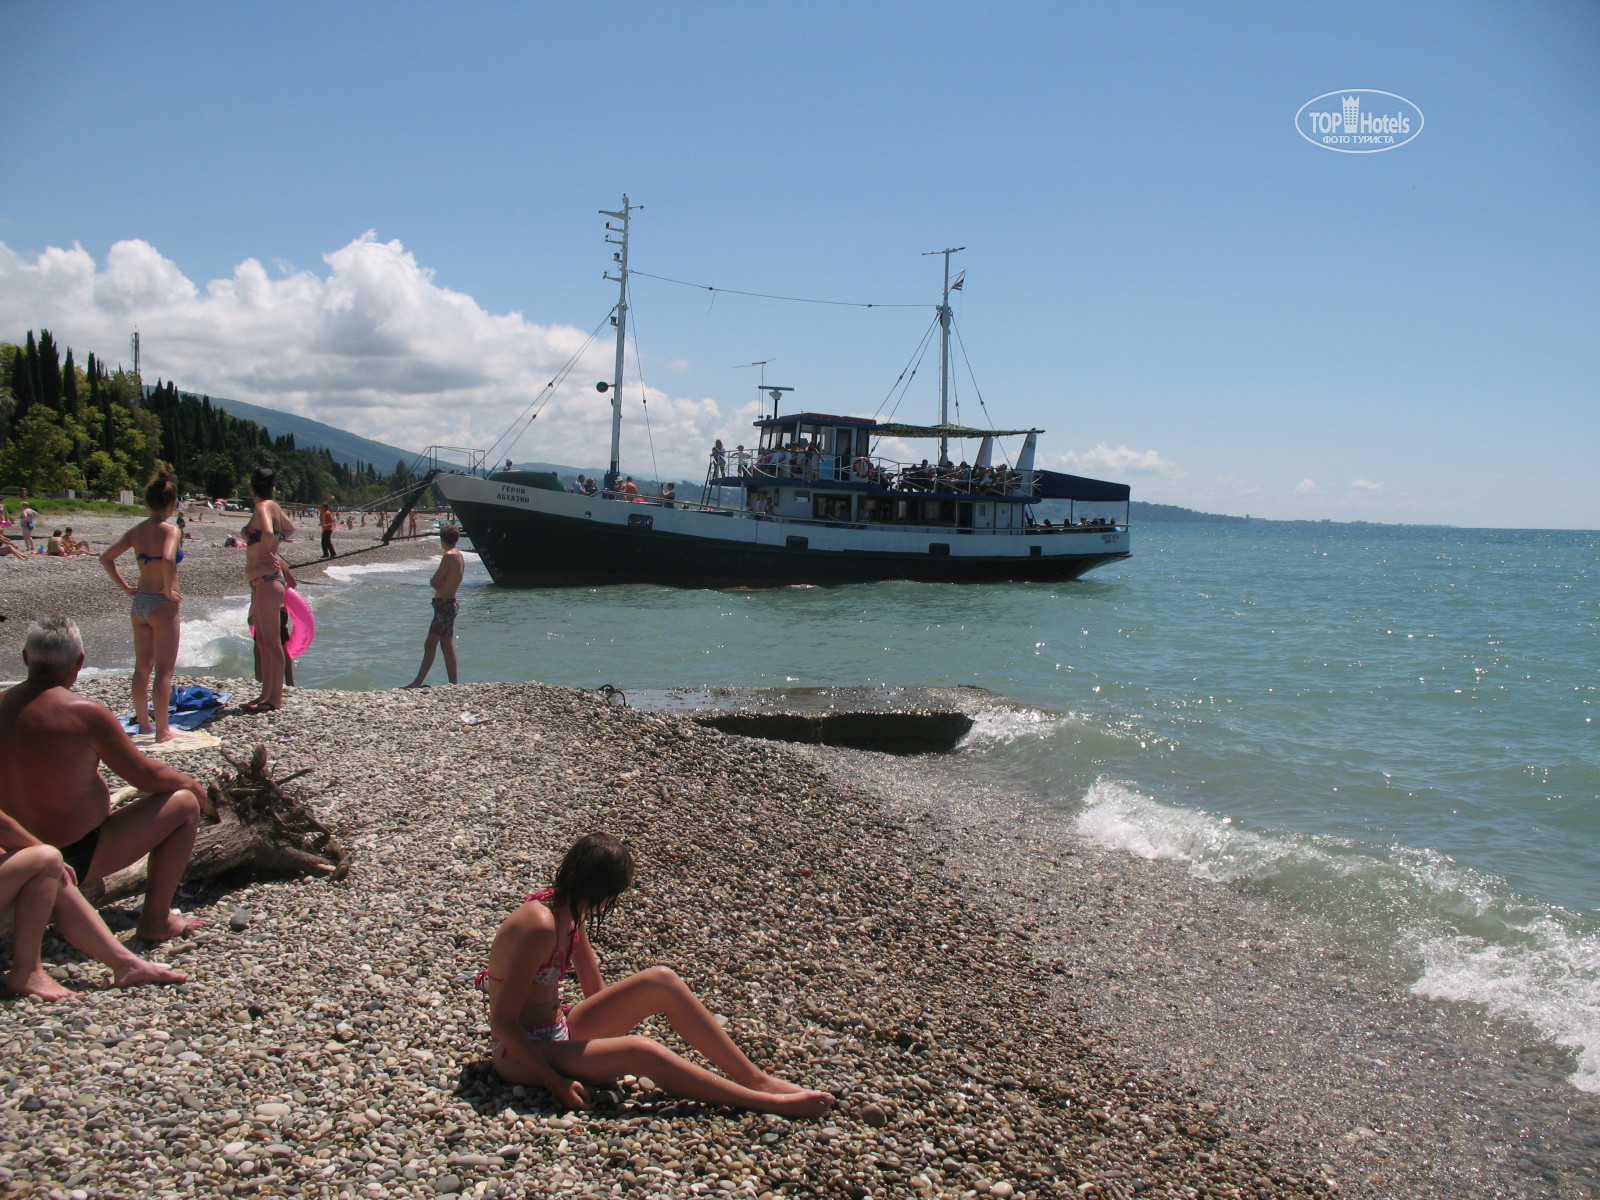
52,743
441,632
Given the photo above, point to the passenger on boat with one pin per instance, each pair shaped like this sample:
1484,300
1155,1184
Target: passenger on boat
629,489
669,492
591,486
719,458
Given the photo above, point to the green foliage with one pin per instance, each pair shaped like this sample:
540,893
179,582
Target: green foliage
59,506
64,427
36,458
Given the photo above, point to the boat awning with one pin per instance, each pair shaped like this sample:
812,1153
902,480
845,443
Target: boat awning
945,431
1054,485
811,418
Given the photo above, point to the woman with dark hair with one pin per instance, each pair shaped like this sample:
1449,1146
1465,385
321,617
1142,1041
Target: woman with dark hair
540,1041
158,548
268,528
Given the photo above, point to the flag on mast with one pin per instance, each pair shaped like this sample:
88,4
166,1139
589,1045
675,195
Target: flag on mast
960,279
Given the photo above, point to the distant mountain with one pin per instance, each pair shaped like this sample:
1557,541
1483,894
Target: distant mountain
345,447
351,448
1143,510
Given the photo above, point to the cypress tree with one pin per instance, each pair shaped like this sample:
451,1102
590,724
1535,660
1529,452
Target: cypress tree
49,377
21,382
69,387
25,378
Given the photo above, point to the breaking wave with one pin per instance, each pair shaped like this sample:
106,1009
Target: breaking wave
1468,935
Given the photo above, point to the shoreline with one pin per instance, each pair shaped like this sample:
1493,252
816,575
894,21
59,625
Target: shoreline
335,1041
1305,1035
209,575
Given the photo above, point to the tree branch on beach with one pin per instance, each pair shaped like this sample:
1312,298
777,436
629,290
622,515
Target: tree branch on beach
252,825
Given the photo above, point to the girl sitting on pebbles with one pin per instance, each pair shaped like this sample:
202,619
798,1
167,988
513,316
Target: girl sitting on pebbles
538,1040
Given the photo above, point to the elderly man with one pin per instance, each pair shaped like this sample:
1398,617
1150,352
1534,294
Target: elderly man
52,743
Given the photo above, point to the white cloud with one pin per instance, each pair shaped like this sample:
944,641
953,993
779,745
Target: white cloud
1304,486
1365,485
1121,461
375,346
677,364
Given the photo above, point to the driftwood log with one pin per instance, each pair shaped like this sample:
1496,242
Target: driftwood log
250,823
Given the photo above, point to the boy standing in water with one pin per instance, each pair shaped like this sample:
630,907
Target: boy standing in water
441,633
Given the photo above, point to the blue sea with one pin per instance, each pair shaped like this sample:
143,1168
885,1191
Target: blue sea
1397,727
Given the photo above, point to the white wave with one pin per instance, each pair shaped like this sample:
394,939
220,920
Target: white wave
349,574
1538,964
997,725
1121,818
1549,978
94,673
206,641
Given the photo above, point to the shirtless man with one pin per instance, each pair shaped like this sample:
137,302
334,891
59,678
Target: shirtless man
441,633
51,745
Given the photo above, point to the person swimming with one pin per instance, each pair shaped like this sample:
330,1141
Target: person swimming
538,1040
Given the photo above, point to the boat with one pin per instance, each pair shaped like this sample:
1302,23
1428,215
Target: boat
814,500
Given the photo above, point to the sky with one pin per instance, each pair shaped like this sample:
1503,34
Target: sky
385,217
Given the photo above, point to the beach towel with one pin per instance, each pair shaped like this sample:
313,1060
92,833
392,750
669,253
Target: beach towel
184,739
190,708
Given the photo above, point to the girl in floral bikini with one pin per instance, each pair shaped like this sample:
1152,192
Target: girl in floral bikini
538,1040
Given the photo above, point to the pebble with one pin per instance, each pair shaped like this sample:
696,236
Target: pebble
239,920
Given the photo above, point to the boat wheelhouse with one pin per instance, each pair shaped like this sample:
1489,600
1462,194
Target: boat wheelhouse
818,499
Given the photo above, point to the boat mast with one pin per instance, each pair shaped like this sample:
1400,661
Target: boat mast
621,322
944,351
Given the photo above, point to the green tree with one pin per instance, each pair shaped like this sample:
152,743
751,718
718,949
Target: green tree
69,387
104,476
37,458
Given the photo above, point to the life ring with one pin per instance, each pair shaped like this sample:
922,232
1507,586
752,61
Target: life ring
862,468
302,625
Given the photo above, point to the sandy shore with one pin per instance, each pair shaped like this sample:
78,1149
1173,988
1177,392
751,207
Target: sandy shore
334,1045
80,588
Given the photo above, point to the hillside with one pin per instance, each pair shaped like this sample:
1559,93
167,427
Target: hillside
347,448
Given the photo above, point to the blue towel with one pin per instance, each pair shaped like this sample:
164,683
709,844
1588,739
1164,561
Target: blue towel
190,708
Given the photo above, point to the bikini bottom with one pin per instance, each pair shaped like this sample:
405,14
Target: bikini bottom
146,603
270,577
555,1031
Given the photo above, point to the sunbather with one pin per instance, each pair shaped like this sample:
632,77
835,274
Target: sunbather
538,1040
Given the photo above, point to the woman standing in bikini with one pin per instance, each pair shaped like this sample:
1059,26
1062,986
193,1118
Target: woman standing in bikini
540,1041
158,547
268,528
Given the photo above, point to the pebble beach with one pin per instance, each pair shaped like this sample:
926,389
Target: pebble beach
329,1042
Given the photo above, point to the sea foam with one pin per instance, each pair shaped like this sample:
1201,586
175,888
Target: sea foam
1468,936
211,640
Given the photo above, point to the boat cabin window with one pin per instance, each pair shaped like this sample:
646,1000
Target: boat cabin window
830,507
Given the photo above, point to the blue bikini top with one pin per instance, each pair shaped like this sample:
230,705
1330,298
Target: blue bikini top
149,558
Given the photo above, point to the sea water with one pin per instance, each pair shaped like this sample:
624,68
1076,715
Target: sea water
1396,727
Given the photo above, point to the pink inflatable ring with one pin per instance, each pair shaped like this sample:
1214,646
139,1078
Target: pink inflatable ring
302,625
